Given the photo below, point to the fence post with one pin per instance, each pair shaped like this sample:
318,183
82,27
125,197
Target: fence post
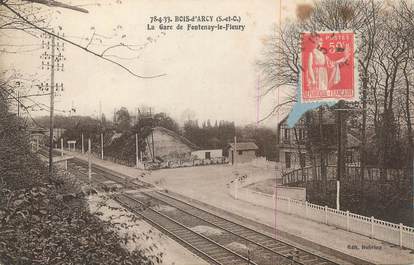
401,235
372,226
326,214
306,209
235,189
289,211
347,220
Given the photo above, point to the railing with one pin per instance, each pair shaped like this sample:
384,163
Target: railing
352,174
165,164
397,234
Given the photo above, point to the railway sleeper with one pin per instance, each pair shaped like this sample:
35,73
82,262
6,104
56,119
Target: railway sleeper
213,250
310,260
265,243
221,255
232,260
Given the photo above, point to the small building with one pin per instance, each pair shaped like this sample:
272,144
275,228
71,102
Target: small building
72,145
38,137
166,145
207,154
245,152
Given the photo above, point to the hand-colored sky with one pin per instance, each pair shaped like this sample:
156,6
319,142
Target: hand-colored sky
213,74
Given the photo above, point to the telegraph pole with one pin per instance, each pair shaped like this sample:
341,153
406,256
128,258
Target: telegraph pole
100,111
83,149
61,146
136,149
89,162
18,104
152,136
52,98
234,150
342,134
102,142
52,61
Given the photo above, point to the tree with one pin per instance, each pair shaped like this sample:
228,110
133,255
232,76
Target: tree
383,52
27,18
123,120
163,120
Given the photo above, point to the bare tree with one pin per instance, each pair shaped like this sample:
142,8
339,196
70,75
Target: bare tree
24,16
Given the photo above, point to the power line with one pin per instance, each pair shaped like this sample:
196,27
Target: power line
101,56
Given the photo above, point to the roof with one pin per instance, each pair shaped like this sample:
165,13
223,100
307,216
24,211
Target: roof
244,146
38,130
175,135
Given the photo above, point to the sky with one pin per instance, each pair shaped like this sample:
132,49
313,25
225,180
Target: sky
206,75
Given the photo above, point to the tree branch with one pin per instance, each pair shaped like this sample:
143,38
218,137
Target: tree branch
77,45
53,3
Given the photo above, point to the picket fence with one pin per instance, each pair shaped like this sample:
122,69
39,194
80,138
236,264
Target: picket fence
398,234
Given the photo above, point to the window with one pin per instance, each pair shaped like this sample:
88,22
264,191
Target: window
208,155
302,160
287,159
349,157
301,134
240,152
286,136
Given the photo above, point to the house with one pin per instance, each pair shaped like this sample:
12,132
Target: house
292,151
207,154
166,145
245,152
38,137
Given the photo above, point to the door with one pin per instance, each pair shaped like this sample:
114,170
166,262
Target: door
208,155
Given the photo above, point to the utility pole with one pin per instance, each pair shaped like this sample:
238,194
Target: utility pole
100,111
152,136
89,162
52,99
136,149
340,168
83,149
61,147
322,153
234,150
102,147
53,63
18,104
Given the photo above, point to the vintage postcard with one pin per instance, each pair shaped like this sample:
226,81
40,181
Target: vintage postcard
193,132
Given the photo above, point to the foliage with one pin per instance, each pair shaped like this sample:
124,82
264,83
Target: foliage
123,120
163,120
45,221
264,138
208,136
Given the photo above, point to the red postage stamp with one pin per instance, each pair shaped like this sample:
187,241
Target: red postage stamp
328,66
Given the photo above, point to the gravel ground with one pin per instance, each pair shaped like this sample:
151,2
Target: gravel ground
153,241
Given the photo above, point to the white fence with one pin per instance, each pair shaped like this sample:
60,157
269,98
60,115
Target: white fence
397,234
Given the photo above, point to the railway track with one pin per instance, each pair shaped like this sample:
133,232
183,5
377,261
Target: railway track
215,239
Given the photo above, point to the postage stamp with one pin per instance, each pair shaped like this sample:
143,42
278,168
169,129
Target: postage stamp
328,66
